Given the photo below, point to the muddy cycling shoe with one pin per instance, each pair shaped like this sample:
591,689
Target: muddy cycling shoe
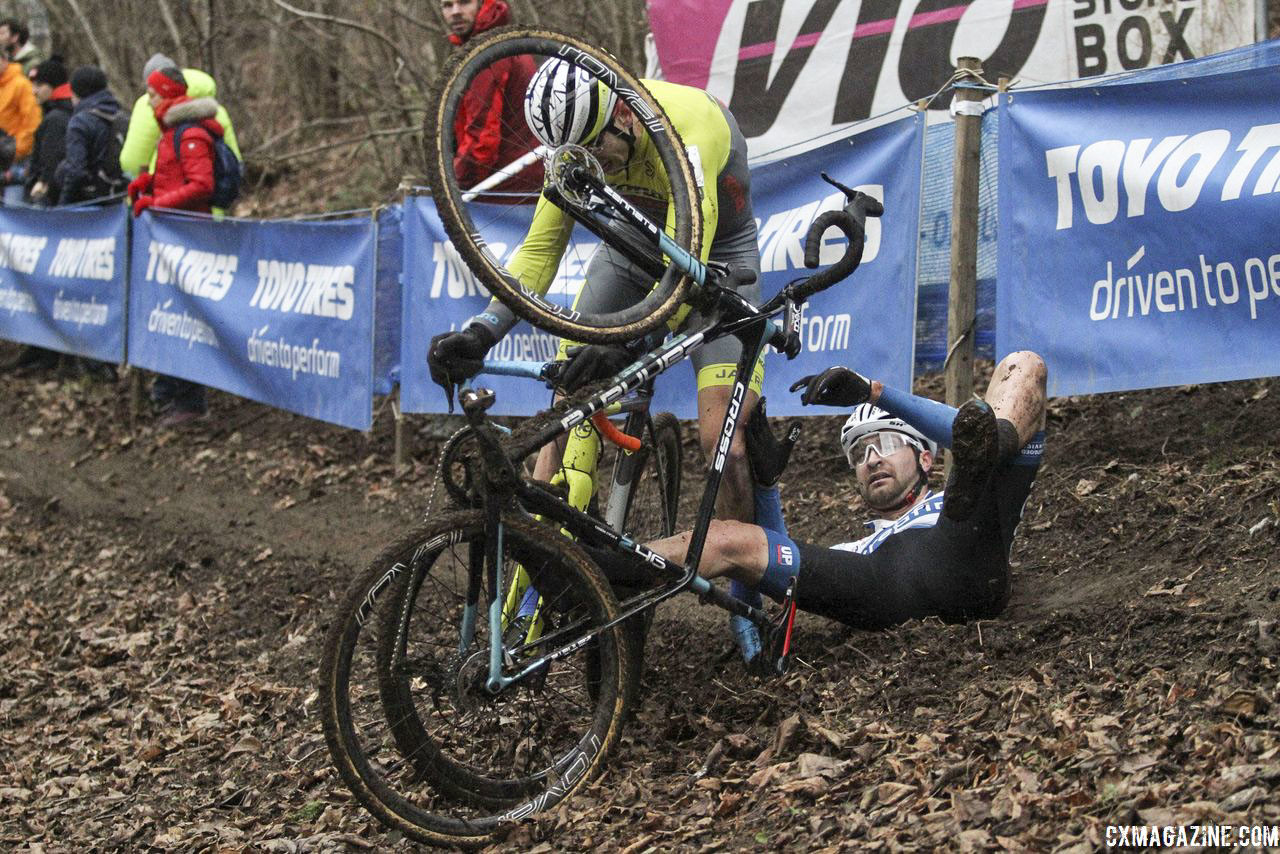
767,454
975,452
746,637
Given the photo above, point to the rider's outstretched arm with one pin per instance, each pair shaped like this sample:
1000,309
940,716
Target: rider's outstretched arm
930,417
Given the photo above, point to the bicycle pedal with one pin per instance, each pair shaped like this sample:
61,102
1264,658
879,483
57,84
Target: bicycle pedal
778,650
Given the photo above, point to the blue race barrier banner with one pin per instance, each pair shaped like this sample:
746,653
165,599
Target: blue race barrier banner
441,293
278,312
62,279
1138,241
866,322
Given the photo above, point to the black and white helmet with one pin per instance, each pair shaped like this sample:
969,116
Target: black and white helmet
564,105
868,418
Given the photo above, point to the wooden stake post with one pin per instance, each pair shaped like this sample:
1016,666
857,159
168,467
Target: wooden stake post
962,295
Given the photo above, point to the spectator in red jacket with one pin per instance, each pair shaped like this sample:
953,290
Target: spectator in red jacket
184,182
490,130
183,179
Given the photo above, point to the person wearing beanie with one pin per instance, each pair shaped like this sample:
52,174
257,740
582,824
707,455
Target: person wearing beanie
53,92
490,129
52,72
88,170
183,179
139,150
87,80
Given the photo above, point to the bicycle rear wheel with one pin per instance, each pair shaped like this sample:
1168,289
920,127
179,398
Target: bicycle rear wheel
408,720
653,504
486,234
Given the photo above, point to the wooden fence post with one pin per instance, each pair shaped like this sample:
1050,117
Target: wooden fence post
401,453
962,294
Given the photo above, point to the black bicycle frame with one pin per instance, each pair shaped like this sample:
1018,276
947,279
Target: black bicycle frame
753,329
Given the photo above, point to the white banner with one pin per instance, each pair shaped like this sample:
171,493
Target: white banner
791,70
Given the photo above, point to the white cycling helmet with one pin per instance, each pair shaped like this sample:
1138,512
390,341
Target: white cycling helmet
564,105
867,418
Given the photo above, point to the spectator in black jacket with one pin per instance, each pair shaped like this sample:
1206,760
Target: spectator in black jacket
53,91
91,167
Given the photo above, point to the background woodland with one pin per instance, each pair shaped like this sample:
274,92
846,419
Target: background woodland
327,97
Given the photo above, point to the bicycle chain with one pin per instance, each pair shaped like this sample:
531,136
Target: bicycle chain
435,484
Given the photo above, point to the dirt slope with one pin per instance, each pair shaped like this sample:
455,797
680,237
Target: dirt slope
165,596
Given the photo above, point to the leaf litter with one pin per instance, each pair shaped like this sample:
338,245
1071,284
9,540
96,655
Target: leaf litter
165,598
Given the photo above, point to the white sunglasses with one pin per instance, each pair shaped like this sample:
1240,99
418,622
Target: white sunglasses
884,443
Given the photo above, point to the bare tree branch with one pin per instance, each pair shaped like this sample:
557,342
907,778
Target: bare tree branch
210,42
104,60
328,146
167,14
303,127
343,22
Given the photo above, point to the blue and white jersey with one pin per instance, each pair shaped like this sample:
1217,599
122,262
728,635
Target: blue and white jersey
923,514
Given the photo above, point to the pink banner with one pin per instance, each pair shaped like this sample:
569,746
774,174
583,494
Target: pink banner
686,33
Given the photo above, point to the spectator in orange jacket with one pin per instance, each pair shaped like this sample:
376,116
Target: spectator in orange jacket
19,114
490,130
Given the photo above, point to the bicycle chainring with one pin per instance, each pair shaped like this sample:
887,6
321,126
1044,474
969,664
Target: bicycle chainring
458,468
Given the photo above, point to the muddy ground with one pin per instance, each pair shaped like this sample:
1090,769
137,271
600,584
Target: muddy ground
165,596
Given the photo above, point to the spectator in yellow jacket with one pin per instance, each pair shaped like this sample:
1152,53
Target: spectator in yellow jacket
139,149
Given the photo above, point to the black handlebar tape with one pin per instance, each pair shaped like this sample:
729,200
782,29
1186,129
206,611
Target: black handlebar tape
851,220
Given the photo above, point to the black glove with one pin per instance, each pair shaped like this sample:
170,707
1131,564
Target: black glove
455,357
833,387
592,362
767,455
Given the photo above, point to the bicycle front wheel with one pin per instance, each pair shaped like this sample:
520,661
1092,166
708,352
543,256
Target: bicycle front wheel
408,716
487,228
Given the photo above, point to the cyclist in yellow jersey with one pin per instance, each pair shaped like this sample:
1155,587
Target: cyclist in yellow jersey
566,105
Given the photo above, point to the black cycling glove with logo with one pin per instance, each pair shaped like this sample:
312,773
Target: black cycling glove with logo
835,386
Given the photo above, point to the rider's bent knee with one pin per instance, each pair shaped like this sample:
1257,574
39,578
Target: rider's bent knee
1026,362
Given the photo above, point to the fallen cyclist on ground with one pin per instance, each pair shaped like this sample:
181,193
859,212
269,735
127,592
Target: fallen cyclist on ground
943,554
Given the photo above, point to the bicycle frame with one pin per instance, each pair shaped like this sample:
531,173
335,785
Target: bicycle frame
583,448
737,317
611,201
577,472
731,315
